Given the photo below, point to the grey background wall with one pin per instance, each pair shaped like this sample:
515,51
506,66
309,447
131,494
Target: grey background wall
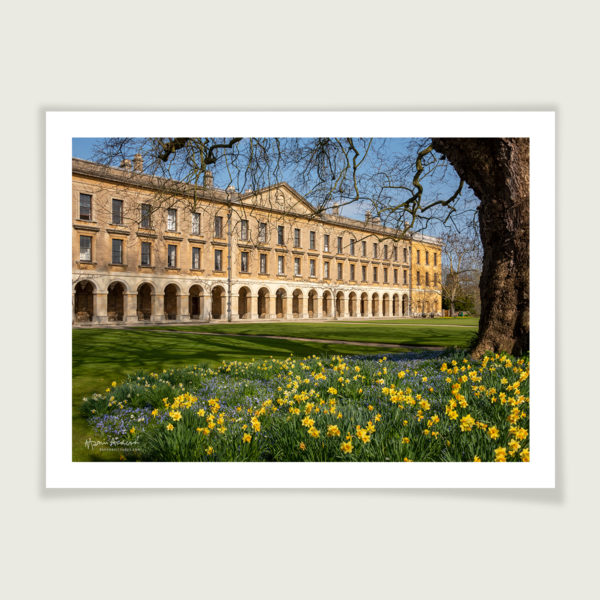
310,55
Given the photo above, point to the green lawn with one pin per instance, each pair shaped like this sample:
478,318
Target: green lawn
412,332
101,356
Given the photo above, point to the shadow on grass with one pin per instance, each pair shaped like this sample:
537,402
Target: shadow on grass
101,356
392,333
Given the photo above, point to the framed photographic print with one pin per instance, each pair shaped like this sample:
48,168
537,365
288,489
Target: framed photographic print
300,299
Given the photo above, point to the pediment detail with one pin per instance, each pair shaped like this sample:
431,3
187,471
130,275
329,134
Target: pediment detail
280,197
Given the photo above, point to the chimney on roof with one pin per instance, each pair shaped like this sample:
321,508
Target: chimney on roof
368,217
126,164
138,163
208,179
335,210
376,221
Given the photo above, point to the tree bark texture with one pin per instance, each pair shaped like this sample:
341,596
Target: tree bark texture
497,170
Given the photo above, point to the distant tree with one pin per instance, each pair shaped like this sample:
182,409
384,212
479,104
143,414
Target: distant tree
461,264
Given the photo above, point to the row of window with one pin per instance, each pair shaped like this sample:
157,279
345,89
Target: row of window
85,213
435,258
85,255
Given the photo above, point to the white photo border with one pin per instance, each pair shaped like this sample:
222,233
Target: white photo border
62,472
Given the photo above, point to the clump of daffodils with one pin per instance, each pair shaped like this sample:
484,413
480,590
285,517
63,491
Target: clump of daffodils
324,409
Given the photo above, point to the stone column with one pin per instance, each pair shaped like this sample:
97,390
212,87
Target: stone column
158,308
100,308
369,306
235,307
205,310
252,307
270,307
130,307
343,308
303,307
289,305
183,307
318,306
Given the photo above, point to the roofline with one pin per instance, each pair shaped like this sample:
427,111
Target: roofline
153,182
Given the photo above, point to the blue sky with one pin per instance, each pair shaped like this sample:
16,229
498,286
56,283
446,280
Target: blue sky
83,147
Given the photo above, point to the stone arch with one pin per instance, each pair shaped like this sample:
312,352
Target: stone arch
280,303
364,304
375,304
217,306
339,304
121,282
297,299
171,301
84,301
395,305
115,301
312,304
244,295
144,301
352,304
385,305
166,285
405,305
327,302
196,301
263,303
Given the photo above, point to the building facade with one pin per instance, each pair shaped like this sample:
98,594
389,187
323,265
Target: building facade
147,249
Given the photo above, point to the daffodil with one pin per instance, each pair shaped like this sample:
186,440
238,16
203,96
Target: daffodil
514,446
308,422
333,431
175,415
466,423
346,447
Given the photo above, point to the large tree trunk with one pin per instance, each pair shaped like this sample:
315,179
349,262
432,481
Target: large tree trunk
497,169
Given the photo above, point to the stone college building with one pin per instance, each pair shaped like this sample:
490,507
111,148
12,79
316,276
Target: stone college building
148,249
